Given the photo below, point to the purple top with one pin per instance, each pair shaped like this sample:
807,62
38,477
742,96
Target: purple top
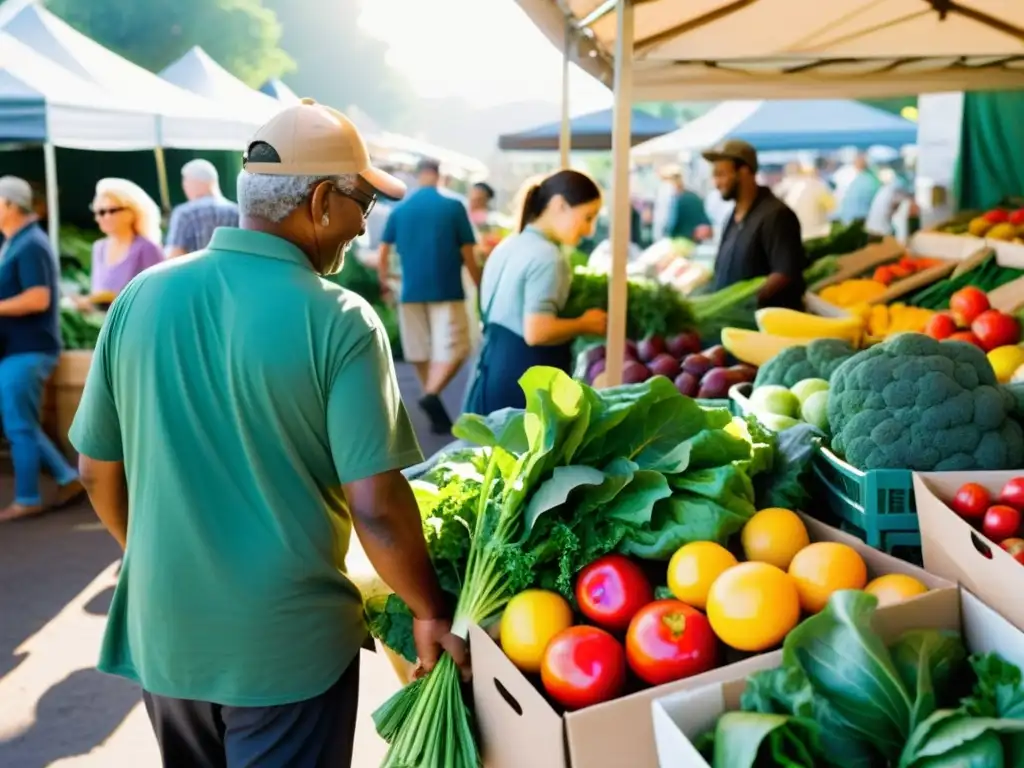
142,254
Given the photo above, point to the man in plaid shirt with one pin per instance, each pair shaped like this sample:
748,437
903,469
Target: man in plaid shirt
192,223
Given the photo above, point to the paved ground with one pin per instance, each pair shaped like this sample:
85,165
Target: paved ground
56,581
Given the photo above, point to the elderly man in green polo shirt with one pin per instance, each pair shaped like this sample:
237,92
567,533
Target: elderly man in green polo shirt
240,418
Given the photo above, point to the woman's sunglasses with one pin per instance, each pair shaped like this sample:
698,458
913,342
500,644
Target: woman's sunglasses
99,213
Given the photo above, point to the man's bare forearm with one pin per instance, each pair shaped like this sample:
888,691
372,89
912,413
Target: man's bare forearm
28,302
107,486
387,521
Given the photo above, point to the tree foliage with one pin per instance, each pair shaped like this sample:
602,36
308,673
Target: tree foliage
242,35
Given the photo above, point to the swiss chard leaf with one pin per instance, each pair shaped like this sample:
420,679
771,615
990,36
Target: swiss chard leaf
953,738
681,519
847,663
555,491
929,662
746,739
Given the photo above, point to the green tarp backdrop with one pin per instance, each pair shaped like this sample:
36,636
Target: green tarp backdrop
991,164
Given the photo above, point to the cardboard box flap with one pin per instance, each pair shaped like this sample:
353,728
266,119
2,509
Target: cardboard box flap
1008,297
953,549
517,725
944,246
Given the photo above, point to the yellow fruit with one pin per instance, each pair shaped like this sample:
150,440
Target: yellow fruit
530,620
895,588
774,536
979,226
756,348
753,606
694,568
1003,232
1005,361
823,568
852,292
788,322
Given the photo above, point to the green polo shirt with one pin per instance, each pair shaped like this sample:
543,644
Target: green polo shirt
241,391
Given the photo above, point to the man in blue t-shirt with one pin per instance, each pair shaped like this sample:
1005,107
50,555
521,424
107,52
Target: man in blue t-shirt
29,349
434,239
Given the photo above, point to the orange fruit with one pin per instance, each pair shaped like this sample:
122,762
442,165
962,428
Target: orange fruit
753,606
774,536
694,568
823,568
895,588
530,620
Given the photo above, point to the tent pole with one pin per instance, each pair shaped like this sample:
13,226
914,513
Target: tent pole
52,196
161,179
565,138
620,207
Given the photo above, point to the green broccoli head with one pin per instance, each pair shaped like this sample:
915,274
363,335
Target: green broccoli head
920,404
816,360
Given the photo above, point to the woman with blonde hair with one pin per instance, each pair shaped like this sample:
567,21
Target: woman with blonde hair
130,221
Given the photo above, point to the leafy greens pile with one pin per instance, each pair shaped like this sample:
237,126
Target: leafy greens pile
844,699
638,469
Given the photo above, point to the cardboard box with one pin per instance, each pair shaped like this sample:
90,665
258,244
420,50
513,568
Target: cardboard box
952,250
684,716
953,549
520,729
1008,254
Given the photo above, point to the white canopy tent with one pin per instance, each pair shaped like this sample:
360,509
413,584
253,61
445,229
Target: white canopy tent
745,49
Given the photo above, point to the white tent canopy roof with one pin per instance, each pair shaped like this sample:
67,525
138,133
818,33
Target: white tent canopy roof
198,73
742,49
187,121
57,106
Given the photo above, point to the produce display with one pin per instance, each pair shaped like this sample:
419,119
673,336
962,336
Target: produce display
780,408
843,697
705,374
971,319
843,239
985,277
888,319
817,359
996,224
998,518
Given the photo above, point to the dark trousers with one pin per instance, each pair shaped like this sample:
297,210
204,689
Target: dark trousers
316,733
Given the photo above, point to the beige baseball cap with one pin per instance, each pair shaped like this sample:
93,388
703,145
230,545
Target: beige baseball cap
733,149
310,139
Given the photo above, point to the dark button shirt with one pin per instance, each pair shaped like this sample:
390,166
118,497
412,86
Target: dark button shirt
28,262
766,241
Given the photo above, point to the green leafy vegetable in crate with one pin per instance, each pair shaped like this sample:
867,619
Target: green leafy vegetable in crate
844,698
843,239
80,330
916,403
986,276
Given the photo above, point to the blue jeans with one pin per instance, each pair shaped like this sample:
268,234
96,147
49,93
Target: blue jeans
22,378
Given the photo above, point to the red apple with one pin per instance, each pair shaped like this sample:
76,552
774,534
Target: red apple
1000,522
1012,494
971,501
1015,547
941,326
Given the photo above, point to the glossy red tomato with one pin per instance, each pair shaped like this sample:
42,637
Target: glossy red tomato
611,590
971,501
1001,522
1012,494
995,329
669,640
583,666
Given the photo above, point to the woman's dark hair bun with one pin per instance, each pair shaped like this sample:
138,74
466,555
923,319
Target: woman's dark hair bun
574,187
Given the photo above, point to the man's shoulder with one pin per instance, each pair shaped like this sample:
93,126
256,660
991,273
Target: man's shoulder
344,309
33,239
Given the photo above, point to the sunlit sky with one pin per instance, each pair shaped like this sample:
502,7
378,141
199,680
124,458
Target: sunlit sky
486,51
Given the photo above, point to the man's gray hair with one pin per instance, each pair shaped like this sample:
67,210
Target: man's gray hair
200,170
274,198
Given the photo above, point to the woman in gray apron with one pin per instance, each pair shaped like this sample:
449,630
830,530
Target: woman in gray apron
525,285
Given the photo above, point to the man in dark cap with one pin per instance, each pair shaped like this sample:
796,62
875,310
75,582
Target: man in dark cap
762,236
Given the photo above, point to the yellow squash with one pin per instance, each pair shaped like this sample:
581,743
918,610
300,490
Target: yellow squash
788,322
896,318
756,348
850,292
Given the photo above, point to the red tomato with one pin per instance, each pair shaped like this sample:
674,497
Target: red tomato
966,336
1012,494
994,329
971,501
583,666
940,326
967,303
1015,547
1000,522
611,590
669,640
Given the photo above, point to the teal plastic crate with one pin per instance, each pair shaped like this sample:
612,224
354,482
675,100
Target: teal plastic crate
878,504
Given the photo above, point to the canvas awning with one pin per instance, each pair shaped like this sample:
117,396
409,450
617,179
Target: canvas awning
198,73
786,125
776,49
186,121
41,102
592,131
278,90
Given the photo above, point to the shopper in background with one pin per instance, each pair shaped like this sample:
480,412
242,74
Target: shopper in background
192,223
235,494
434,240
854,203
526,284
687,217
29,350
130,222
811,200
762,236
